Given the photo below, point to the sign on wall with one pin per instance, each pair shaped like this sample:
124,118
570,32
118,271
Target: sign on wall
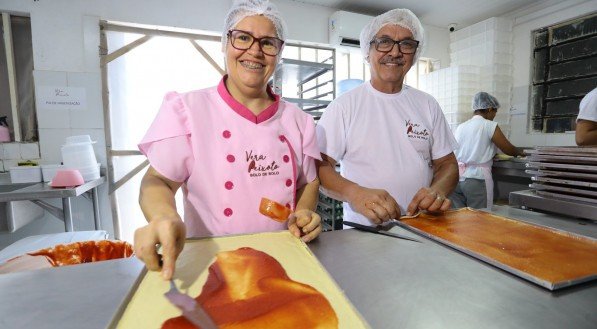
61,98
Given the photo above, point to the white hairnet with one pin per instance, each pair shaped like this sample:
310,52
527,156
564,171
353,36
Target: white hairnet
401,17
243,8
483,100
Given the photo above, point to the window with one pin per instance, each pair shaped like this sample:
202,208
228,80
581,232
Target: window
17,101
564,70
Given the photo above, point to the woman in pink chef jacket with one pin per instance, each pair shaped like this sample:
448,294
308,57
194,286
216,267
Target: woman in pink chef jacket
229,146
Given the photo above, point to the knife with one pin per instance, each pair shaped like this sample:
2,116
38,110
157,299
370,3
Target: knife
377,230
191,310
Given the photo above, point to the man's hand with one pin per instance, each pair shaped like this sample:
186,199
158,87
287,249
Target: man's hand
428,199
305,223
377,205
170,234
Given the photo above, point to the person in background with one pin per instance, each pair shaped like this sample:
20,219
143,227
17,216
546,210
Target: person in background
478,138
586,122
229,146
393,142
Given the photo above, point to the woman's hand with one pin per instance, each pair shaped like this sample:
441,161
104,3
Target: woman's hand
170,233
375,204
304,224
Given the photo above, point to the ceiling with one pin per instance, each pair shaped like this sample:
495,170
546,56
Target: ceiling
438,13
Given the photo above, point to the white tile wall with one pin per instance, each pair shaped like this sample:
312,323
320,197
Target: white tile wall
29,151
51,118
11,163
92,116
50,141
12,151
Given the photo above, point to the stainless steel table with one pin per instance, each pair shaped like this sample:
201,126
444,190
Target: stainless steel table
393,283
37,191
401,284
70,297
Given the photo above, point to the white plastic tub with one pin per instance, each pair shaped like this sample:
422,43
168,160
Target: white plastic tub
25,174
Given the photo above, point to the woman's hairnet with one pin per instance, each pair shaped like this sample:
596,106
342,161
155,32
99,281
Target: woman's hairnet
401,17
243,8
483,100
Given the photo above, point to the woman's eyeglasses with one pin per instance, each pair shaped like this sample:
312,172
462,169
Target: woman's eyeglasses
385,45
243,40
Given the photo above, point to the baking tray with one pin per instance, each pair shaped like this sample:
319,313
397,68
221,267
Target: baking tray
570,150
563,174
548,257
146,306
567,182
554,195
563,159
567,167
565,189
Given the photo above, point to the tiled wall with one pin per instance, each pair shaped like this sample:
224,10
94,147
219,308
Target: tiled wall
13,153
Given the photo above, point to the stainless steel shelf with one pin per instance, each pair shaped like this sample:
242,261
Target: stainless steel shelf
293,71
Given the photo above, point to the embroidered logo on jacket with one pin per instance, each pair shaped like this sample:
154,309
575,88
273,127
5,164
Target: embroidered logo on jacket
259,166
416,131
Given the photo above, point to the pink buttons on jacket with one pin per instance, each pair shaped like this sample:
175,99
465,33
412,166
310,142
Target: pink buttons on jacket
282,138
288,182
226,134
286,158
230,158
288,205
229,185
227,212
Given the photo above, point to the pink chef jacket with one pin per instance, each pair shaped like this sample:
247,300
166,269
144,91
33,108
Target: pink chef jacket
229,159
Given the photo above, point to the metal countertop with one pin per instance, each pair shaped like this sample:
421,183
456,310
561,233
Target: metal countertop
401,284
393,283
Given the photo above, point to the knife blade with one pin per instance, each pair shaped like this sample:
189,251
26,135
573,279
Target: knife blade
191,310
378,230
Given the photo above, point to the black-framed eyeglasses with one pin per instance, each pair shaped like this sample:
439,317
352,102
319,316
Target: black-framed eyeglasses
243,40
385,45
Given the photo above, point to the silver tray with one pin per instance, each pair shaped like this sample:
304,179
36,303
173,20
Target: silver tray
567,166
566,174
569,150
569,182
571,190
568,197
563,158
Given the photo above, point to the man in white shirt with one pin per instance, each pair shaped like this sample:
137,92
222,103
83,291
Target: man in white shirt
479,138
393,142
586,122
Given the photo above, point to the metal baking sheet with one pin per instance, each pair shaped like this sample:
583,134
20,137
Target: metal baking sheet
569,197
545,256
568,182
563,174
570,190
563,159
570,150
567,166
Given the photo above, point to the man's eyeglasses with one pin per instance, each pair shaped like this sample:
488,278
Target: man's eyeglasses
243,40
385,45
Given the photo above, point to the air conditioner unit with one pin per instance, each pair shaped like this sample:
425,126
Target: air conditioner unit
345,28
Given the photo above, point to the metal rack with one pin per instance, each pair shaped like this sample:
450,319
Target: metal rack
564,181
330,211
315,81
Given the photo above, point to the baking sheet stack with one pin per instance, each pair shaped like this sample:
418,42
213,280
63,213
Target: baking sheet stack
566,173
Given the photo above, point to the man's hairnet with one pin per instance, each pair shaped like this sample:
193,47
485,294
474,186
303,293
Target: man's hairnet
243,8
401,17
483,100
